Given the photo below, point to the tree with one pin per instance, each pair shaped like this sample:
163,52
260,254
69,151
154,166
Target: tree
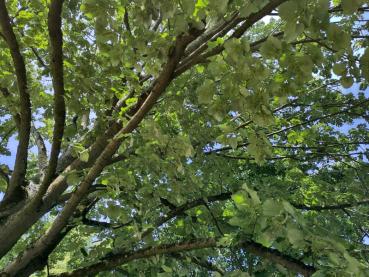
184,137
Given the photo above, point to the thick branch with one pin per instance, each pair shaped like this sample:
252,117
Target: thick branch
200,262
56,64
14,191
252,247
277,257
39,261
122,258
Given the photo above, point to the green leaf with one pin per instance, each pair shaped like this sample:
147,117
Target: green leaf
219,5
272,207
237,221
259,146
200,68
350,6
289,208
287,10
113,211
364,64
266,239
188,7
84,155
271,47
239,198
339,38
236,273
234,50
166,268
180,24
319,273
295,236
335,258
305,64
292,31
233,142
206,92
254,196
248,9
295,137
347,81
3,184
73,178
339,69
225,241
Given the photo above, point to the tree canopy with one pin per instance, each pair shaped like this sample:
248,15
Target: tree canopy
184,138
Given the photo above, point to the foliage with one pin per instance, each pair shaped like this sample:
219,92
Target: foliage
184,137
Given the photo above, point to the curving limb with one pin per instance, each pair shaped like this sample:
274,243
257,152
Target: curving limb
257,249
56,64
15,192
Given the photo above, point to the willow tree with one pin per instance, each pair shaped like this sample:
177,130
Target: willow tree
183,137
